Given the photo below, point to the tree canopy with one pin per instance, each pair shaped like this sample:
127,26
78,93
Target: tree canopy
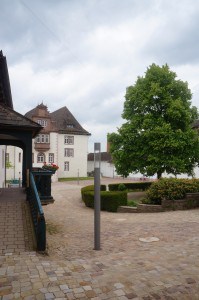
158,134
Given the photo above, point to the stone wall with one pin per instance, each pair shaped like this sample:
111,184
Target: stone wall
191,201
149,208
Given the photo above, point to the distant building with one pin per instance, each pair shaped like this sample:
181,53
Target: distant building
107,167
62,141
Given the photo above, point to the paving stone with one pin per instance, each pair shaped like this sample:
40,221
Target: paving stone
124,268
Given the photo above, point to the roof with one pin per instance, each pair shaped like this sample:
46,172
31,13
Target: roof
34,112
66,122
105,156
10,119
5,90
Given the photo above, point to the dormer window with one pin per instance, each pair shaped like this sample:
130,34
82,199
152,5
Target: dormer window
70,126
42,122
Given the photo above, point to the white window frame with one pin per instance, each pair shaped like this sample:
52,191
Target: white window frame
51,157
68,152
40,157
69,140
42,122
43,138
66,166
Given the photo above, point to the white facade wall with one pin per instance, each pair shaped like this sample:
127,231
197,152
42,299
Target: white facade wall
106,169
2,166
77,163
16,160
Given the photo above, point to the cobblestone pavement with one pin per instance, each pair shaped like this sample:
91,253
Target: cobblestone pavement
124,268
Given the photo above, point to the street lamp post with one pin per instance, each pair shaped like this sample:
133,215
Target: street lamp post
97,200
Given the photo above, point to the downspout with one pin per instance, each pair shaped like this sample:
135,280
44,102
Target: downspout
5,164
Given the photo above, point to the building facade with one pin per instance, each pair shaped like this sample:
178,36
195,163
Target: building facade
62,141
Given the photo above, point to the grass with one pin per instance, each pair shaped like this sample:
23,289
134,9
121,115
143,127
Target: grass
74,178
132,203
135,198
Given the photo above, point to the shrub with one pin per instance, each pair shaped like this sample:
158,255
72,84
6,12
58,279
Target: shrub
110,201
172,189
121,187
131,186
91,188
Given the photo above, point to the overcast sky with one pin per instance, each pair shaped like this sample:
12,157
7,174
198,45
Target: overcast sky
84,53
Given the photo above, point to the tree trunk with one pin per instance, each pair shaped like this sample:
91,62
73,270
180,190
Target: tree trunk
159,174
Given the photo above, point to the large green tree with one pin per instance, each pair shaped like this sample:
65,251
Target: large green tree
157,135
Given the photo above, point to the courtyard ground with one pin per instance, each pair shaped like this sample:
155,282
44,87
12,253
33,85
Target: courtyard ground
142,256
166,268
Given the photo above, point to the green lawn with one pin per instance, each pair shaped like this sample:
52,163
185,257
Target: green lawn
75,178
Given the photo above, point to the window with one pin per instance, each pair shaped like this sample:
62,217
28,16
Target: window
42,138
66,166
69,140
42,122
69,152
37,139
51,158
47,140
19,156
32,157
41,158
70,126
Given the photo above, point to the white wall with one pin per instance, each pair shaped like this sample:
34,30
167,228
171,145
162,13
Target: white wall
15,172
106,169
2,166
78,163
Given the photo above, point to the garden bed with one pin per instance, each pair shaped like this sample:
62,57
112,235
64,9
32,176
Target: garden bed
190,202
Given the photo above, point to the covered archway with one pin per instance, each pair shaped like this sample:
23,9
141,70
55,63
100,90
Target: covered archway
15,129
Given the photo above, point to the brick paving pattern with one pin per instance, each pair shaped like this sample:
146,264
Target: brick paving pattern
15,226
125,267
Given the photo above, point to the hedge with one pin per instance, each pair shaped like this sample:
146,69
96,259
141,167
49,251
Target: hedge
171,189
131,186
91,188
110,201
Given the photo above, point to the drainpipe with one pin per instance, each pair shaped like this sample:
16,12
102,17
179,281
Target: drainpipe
5,164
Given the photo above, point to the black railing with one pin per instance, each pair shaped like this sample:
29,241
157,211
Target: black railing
37,215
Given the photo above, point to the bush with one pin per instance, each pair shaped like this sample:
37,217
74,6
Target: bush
131,186
91,188
110,201
172,189
121,187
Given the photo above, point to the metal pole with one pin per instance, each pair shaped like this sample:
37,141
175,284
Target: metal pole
97,198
